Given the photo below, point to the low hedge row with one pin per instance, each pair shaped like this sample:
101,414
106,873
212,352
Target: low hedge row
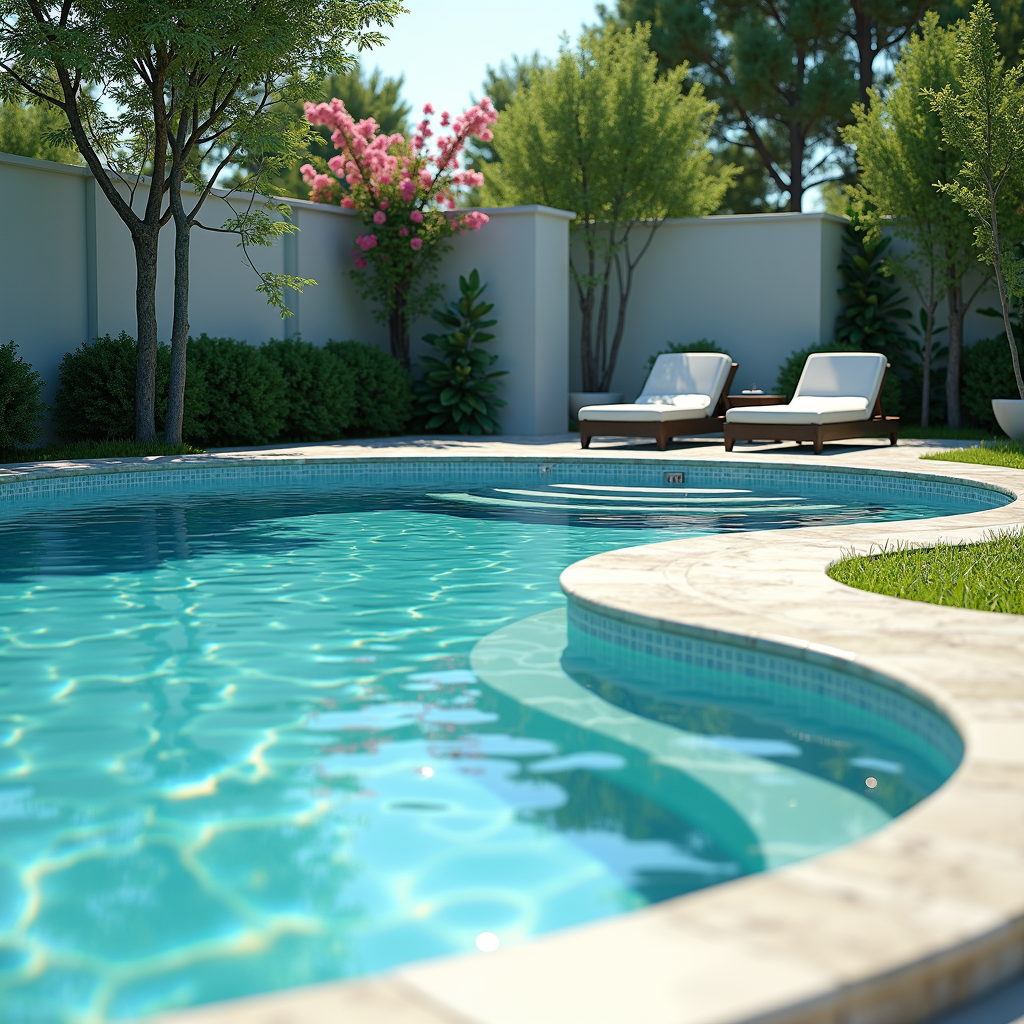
237,394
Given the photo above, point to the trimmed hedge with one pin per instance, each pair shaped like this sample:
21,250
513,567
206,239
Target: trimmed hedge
383,389
237,394
244,400
320,391
987,374
21,408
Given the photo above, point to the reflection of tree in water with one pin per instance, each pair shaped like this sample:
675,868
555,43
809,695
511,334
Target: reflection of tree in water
596,804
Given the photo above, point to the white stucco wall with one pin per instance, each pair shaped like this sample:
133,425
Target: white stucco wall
67,274
760,285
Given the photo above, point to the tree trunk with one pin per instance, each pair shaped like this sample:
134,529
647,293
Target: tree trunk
926,368
862,31
398,329
956,313
146,344
796,168
179,327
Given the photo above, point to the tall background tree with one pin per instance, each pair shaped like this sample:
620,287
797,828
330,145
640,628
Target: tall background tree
602,133
29,129
784,74
169,77
901,156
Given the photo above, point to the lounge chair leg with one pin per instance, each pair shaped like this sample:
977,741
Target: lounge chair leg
662,443
818,445
584,440
728,443
893,438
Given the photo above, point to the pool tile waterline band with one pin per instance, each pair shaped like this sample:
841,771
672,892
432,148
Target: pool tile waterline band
168,477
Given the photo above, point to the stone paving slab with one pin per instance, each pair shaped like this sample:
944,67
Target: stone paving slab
926,914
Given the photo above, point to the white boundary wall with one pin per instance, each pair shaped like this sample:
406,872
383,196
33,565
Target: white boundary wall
67,274
759,285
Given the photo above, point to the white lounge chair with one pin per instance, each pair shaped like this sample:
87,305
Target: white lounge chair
839,396
684,394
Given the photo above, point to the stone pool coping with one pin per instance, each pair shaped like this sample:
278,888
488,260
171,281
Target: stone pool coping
893,929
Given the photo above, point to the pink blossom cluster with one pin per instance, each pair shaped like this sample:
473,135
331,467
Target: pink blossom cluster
375,166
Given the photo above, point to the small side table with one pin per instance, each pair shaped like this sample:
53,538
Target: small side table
736,401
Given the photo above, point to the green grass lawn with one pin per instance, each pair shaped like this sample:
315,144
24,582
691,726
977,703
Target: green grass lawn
94,450
992,453
987,576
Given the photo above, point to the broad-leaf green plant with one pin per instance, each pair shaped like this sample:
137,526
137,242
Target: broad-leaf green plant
875,311
457,391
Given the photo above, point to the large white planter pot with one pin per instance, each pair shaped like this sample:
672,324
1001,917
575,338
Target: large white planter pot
1009,414
578,399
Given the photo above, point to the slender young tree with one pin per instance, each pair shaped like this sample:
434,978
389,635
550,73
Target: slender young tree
600,132
901,155
983,118
132,78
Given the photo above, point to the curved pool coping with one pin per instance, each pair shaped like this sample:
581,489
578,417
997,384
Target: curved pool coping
892,929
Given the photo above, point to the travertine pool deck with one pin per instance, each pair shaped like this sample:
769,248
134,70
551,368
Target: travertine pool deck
893,929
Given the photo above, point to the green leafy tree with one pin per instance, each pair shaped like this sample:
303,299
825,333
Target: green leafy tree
28,129
983,118
784,75
1009,19
190,89
457,392
601,133
875,310
779,72
901,155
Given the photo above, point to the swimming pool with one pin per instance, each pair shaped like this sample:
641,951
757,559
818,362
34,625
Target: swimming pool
257,738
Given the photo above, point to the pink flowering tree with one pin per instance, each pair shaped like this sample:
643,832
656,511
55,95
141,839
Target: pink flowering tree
404,190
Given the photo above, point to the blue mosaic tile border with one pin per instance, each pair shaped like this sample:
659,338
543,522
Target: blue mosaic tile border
672,655
180,477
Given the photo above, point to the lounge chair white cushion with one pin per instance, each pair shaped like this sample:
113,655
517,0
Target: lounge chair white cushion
680,386
803,410
835,387
683,407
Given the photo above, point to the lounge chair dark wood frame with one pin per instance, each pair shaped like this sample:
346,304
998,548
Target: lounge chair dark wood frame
662,431
879,425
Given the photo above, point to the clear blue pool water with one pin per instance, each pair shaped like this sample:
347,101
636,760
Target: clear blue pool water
250,741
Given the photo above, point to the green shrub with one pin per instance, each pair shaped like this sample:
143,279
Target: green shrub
383,389
789,376
244,400
672,347
320,395
988,374
21,408
96,390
